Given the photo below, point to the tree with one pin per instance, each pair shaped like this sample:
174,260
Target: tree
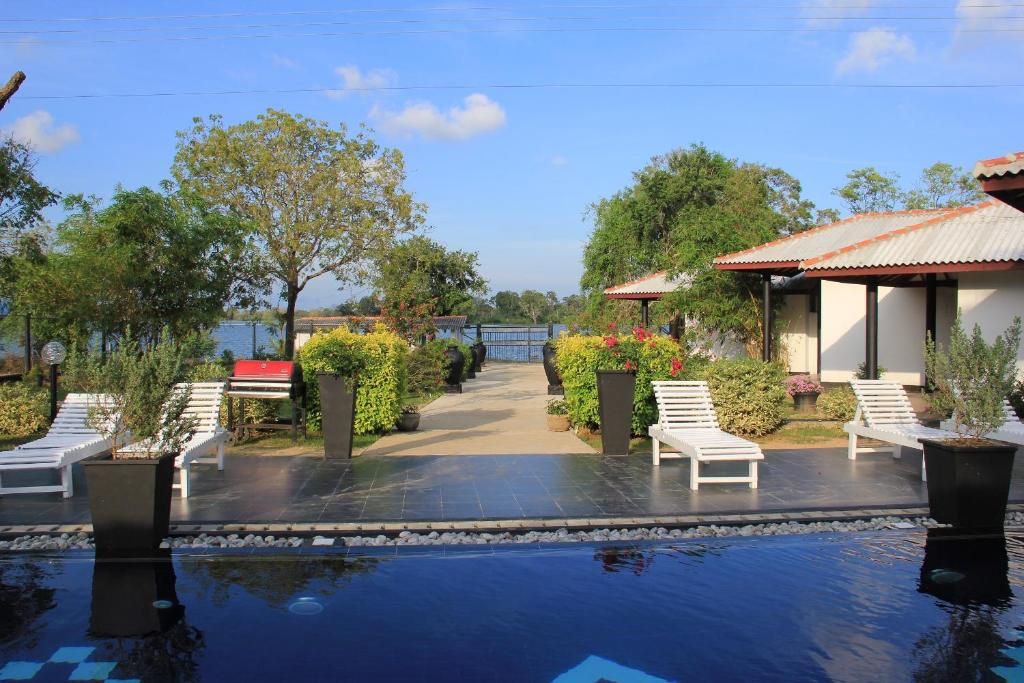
143,262
534,305
22,197
943,185
422,271
507,306
869,190
314,199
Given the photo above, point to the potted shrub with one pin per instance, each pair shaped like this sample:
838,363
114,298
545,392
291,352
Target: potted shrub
550,354
558,416
336,363
969,475
616,388
130,490
409,420
455,362
804,391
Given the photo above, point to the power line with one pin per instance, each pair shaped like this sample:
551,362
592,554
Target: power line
214,27
538,86
610,29
490,8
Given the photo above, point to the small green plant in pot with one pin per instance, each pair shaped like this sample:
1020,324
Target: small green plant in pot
969,474
558,416
138,401
409,419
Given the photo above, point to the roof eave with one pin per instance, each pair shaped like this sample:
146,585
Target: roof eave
914,269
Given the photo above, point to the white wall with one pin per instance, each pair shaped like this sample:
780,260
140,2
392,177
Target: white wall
991,300
901,331
798,333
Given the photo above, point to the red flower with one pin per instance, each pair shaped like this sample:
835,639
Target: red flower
677,366
611,341
612,327
629,365
654,344
641,334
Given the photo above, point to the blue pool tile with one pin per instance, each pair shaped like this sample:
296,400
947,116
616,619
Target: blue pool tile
20,671
92,671
594,669
72,655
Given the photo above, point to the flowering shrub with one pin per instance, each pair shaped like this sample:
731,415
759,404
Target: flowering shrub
652,357
24,409
838,404
802,384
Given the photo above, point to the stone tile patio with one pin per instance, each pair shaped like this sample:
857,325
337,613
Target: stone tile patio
395,488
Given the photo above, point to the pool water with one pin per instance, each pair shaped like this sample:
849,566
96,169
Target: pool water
884,606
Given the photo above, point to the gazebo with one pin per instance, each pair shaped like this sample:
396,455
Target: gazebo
645,290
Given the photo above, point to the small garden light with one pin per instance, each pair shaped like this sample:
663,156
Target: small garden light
53,354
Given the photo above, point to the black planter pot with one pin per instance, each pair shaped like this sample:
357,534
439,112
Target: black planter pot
483,352
479,351
134,597
130,504
966,569
456,361
968,485
338,414
549,353
471,373
806,401
408,422
615,389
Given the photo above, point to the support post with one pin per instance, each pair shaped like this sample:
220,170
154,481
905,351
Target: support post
930,310
645,315
766,317
551,330
871,329
479,332
53,393
28,343
253,339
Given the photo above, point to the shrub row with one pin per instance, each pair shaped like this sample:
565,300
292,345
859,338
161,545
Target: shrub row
377,358
24,409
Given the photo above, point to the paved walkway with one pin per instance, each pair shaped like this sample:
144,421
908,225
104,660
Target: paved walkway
501,412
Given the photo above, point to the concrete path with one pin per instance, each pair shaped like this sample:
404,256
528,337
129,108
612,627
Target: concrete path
501,412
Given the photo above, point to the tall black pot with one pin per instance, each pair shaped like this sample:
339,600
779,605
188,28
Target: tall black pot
968,485
456,361
134,597
338,413
615,390
965,569
130,504
549,354
479,351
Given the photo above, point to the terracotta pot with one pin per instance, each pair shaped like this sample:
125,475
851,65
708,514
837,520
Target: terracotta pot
805,401
558,423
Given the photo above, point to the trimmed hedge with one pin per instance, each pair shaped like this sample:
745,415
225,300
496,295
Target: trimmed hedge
838,404
748,394
580,357
378,358
24,409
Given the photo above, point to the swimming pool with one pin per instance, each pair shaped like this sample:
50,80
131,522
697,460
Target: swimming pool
855,607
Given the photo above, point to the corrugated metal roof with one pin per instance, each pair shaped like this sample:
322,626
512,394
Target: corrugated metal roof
827,238
1008,165
987,232
658,283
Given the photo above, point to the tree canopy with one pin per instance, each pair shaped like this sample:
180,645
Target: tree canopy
22,197
143,262
314,199
419,270
940,185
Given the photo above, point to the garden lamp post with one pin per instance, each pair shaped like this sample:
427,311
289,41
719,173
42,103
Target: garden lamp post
53,354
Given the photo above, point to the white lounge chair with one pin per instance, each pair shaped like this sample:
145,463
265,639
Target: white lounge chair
884,413
1012,430
69,440
204,405
687,422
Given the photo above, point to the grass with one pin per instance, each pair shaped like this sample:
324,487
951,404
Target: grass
8,442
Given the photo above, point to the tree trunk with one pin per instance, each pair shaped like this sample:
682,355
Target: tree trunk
289,321
12,86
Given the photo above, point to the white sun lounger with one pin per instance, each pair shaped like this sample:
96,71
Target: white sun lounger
687,422
1012,430
203,405
884,413
69,440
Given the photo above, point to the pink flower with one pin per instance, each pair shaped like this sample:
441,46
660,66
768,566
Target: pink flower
612,327
611,342
629,365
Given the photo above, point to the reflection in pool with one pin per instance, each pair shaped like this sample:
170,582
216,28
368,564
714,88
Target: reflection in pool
874,606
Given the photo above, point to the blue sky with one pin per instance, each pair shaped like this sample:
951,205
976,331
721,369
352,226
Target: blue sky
509,172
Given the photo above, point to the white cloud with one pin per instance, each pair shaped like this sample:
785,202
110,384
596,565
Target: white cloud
283,61
477,116
355,80
973,17
872,49
37,130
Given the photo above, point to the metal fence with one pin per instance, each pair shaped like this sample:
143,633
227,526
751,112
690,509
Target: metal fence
516,343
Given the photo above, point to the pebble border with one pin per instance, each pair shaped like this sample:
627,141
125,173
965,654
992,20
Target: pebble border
81,540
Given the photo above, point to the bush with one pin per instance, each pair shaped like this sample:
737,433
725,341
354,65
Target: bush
748,395
557,407
376,358
439,346
802,384
1017,398
24,409
838,404
426,369
580,357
